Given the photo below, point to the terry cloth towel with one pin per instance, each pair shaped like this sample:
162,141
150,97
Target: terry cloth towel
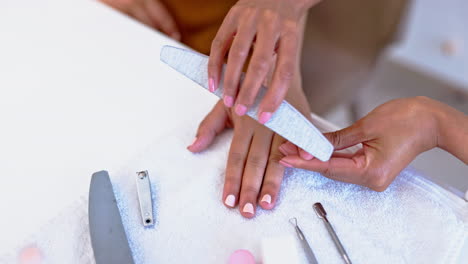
413,221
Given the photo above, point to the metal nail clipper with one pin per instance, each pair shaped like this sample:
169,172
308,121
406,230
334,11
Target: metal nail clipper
144,197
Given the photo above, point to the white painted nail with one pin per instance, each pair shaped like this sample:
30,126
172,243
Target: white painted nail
248,208
230,200
266,198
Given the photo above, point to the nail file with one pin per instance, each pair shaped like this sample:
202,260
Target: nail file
286,121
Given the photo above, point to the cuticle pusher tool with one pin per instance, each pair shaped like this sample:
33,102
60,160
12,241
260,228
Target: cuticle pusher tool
305,244
321,213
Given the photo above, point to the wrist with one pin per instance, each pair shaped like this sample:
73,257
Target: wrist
452,130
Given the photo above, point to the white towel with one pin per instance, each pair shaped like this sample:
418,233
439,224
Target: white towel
413,221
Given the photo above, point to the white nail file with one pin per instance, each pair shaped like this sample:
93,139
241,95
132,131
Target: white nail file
286,121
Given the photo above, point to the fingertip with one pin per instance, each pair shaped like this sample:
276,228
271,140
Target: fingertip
267,202
264,117
191,146
228,101
176,35
282,150
248,210
241,109
288,148
305,155
230,201
199,144
211,85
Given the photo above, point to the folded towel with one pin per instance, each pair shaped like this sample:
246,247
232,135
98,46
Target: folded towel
413,221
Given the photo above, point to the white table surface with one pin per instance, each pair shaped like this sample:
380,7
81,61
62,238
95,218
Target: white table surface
81,89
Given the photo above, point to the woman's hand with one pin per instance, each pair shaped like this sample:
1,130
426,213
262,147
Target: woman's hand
150,12
274,26
392,135
253,172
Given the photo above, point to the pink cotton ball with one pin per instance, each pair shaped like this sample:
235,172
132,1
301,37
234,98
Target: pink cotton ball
30,255
241,256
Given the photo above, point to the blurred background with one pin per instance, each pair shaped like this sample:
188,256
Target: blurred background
375,51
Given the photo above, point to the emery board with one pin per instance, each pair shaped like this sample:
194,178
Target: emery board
286,121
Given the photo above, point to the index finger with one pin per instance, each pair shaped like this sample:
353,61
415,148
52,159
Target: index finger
282,76
219,48
340,168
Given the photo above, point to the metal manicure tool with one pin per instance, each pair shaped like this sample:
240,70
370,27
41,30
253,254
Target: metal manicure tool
321,213
305,245
144,197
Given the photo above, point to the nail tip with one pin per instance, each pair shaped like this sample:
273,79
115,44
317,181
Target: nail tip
266,199
248,208
228,101
264,117
241,110
230,200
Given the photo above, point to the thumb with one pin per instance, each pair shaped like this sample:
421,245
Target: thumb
347,137
213,124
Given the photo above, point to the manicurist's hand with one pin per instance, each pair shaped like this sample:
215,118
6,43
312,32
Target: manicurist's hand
274,26
150,12
392,135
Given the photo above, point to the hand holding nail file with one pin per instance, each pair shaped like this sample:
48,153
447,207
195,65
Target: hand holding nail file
286,121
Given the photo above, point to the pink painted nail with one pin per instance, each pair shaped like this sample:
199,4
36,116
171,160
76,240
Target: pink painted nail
264,117
241,110
285,164
305,155
228,101
211,85
230,200
248,208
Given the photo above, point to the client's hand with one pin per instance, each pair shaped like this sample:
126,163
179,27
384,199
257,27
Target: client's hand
392,135
150,12
253,172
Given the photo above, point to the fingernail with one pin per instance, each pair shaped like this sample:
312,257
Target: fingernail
264,117
176,36
211,85
248,208
305,155
228,101
230,200
194,140
266,198
282,150
285,164
241,110
288,148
